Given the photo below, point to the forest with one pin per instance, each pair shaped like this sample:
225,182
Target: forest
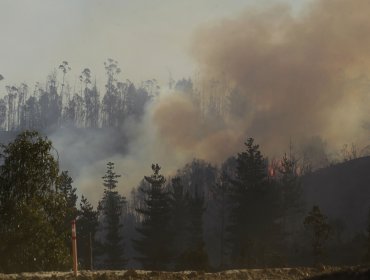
241,215
248,212
56,104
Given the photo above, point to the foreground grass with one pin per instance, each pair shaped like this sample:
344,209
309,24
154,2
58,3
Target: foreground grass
322,273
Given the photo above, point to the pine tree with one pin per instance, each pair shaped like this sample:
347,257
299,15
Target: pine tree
195,256
253,214
321,232
220,193
187,228
111,207
179,210
290,192
154,246
65,188
87,226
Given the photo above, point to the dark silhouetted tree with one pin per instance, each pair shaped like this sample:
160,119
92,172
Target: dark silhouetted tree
64,187
187,228
320,230
92,103
154,242
220,193
65,68
3,114
87,226
290,189
111,97
111,209
179,216
253,227
195,256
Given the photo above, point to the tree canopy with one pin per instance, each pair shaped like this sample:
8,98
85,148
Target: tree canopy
33,207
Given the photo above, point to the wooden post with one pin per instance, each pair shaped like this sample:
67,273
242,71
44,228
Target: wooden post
74,247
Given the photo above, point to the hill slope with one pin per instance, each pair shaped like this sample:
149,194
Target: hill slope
342,191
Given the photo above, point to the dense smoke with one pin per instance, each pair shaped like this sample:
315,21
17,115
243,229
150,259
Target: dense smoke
286,76
301,75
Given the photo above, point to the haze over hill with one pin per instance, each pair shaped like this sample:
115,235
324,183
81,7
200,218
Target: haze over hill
271,71
277,90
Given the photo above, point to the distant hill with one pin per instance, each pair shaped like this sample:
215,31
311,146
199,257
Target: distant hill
342,191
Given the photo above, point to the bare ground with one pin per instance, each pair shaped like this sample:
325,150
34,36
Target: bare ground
322,273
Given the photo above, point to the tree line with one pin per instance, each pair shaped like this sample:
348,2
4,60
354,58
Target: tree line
56,104
243,214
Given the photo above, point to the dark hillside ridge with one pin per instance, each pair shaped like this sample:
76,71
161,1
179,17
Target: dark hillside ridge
342,191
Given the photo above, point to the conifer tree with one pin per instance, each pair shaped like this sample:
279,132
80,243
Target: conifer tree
65,187
110,208
321,232
195,256
220,193
253,213
187,228
290,190
87,225
179,226
154,244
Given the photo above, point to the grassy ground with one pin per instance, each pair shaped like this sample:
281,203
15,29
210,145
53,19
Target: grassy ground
322,273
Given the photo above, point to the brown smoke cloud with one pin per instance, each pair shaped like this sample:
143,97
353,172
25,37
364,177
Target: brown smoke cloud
297,76
180,125
300,76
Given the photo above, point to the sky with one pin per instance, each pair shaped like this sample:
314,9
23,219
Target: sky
149,38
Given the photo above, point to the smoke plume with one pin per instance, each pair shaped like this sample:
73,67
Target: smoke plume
300,75
284,76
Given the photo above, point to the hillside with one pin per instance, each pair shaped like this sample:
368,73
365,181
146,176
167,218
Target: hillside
342,191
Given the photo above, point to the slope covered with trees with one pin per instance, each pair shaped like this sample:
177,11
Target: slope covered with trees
56,104
248,213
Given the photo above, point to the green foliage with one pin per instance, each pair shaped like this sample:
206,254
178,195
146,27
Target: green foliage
321,232
253,228
290,202
220,192
187,228
29,167
33,210
154,244
251,167
87,225
179,215
64,187
110,208
195,256
290,187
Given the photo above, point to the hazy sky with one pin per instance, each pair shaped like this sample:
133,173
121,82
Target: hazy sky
149,38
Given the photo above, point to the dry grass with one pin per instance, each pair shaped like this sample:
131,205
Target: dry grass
321,273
